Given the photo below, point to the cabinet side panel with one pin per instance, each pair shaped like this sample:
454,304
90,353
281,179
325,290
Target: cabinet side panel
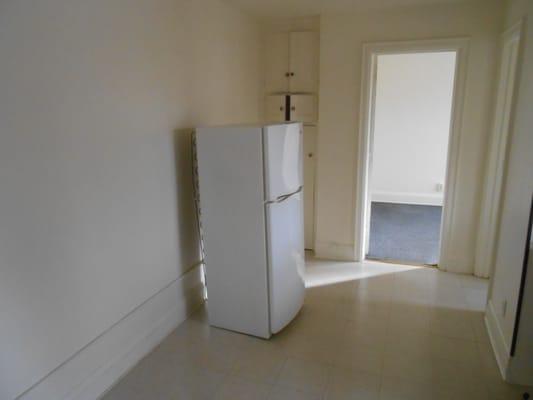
230,168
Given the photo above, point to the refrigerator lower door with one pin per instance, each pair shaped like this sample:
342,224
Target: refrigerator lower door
285,239
283,149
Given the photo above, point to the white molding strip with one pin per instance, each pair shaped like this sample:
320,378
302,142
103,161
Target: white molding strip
89,373
496,165
500,348
335,251
427,199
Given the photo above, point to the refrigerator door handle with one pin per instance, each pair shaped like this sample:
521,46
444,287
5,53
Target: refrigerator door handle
284,197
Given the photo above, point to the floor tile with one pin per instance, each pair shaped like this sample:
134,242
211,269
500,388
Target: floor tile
454,323
235,388
367,331
460,350
397,388
305,376
364,334
194,384
260,364
412,343
357,356
347,384
285,393
408,366
311,349
479,327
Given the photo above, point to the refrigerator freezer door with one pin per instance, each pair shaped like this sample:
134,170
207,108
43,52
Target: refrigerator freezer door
285,240
282,147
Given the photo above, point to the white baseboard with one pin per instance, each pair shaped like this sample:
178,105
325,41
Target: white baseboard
335,251
450,261
430,199
92,371
500,348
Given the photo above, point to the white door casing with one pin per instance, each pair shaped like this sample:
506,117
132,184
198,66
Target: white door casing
496,156
361,209
310,133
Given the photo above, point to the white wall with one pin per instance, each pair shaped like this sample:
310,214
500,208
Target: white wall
411,127
511,238
342,37
96,216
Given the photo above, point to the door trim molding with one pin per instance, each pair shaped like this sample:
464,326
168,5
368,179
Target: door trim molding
370,53
496,164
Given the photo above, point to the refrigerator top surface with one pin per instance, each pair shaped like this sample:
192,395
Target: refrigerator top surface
262,124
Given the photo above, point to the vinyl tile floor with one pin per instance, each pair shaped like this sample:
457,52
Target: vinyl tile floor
367,331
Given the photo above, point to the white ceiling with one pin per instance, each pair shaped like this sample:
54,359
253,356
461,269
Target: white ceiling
299,8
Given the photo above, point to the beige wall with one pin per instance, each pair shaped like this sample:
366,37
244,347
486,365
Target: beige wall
96,209
514,11
342,37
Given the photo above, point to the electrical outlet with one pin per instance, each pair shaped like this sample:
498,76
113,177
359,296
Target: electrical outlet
504,308
439,187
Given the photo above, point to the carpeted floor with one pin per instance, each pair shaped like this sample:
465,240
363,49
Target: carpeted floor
405,232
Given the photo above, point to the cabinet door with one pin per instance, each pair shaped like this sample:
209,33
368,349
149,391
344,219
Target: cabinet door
303,62
275,108
310,133
277,63
303,108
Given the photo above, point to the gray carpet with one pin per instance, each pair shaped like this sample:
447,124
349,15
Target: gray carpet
405,232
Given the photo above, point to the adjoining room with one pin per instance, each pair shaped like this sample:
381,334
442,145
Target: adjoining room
408,154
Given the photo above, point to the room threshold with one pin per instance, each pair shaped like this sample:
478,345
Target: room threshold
400,262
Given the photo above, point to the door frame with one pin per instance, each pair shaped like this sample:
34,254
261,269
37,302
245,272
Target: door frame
366,129
314,155
502,125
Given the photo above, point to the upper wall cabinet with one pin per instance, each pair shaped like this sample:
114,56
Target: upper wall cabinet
303,108
295,107
303,62
292,62
277,62
275,108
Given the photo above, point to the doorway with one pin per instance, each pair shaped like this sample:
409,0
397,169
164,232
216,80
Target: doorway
408,140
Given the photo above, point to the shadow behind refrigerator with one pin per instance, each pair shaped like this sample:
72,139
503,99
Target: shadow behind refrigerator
250,186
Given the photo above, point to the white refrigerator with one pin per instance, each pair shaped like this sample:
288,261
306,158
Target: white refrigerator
251,201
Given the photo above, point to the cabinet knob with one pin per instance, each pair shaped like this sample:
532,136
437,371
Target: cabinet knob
287,74
293,108
281,108
310,155
292,73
